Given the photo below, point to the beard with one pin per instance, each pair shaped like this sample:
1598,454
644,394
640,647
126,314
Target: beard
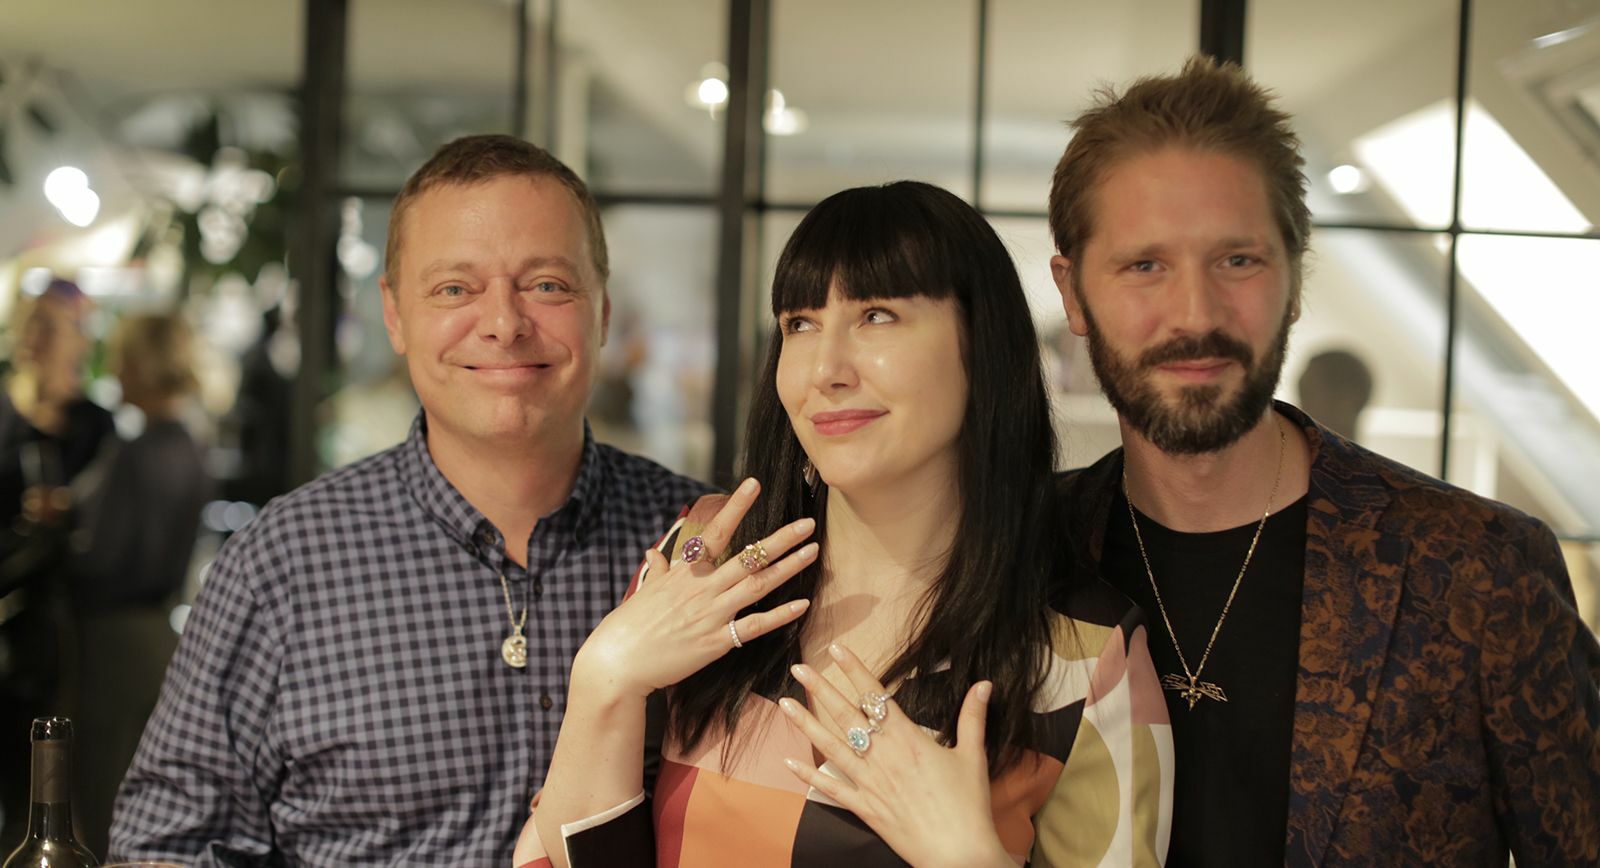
1199,419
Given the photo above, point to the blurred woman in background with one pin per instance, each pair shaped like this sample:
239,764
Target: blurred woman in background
131,559
50,435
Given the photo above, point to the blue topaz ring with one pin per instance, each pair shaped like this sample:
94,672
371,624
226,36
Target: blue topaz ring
859,740
694,548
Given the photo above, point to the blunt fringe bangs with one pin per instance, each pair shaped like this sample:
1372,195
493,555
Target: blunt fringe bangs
875,242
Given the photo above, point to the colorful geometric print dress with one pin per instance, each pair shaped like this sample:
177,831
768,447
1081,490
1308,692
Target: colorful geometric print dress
1095,788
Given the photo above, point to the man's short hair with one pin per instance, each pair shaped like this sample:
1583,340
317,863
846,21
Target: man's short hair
1210,107
475,159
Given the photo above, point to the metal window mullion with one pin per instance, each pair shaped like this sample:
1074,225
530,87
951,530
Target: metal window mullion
1222,26
979,102
738,201
312,259
1453,275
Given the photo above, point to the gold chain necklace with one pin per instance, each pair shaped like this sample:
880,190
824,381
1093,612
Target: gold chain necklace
515,649
1189,686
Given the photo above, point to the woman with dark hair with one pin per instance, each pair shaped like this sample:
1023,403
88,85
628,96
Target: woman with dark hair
993,711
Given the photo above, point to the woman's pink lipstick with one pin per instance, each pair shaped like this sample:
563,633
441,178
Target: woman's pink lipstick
836,422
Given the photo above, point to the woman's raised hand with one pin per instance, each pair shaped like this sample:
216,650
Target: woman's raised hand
929,802
685,614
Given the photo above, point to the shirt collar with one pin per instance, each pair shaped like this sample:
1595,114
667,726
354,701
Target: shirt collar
441,500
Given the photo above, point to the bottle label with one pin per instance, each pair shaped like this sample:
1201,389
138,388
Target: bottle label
52,771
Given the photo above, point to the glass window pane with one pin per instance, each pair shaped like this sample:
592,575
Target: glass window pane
374,404
885,91
1371,86
1046,57
1527,389
638,94
1583,563
408,91
1085,422
654,390
1367,356
1531,131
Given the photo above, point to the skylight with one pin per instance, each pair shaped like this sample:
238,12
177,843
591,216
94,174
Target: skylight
1543,288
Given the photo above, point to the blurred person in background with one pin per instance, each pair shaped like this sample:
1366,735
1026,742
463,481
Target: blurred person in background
50,434
375,669
130,558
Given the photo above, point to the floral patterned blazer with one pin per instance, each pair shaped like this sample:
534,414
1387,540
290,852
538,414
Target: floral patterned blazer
1447,707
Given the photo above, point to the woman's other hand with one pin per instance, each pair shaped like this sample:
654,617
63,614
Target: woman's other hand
678,619
927,801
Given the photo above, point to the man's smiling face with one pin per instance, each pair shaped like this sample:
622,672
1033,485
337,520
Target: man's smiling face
498,309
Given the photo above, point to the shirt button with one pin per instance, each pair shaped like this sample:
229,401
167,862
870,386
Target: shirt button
545,702
472,550
486,536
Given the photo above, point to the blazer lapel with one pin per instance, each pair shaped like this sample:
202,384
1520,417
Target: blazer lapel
1353,575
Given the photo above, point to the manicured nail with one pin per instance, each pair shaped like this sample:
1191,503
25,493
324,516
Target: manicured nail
793,764
805,526
799,672
789,706
748,485
799,605
985,689
836,651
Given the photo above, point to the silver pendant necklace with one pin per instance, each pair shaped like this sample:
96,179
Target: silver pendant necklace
514,650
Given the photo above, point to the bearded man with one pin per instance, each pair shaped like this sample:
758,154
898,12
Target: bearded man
1363,665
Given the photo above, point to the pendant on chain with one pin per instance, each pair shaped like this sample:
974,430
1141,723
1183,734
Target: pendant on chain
1192,689
515,650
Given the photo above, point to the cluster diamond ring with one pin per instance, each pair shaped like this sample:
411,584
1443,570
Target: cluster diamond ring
754,557
875,706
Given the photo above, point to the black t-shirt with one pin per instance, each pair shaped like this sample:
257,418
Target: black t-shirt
1231,794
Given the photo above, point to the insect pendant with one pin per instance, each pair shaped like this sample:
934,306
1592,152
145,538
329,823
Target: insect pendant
1191,688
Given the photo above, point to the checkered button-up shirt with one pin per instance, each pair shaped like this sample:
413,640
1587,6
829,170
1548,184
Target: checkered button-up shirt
339,696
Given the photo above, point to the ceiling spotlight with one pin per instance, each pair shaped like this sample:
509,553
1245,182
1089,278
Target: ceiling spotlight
1347,179
781,119
712,92
67,188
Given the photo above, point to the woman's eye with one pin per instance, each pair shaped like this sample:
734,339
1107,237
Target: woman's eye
795,324
879,315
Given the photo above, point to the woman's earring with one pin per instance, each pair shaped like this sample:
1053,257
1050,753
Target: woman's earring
808,472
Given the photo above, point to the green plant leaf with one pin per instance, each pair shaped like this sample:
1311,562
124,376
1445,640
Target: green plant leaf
41,119
5,167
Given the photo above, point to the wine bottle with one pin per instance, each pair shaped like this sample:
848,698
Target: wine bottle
51,842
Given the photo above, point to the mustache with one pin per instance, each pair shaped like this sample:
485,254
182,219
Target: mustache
1212,345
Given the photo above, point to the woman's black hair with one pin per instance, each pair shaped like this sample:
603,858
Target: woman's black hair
986,615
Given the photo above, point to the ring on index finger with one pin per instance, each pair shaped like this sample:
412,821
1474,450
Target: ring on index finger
754,557
694,548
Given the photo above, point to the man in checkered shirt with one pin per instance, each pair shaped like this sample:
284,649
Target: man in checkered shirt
352,687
